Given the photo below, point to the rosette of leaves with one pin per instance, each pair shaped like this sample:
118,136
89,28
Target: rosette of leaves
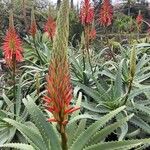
80,66
80,72
37,56
15,111
38,50
112,91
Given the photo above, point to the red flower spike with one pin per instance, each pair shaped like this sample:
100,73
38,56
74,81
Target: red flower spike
86,12
12,44
50,27
59,91
106,13
139,20
33,26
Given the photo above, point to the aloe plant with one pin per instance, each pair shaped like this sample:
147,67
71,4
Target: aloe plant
40,45
12,110
109,96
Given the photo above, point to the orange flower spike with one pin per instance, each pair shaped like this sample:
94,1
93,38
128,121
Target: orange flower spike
59,91
106,13
139,19
33,26
12,45
50,27
86,12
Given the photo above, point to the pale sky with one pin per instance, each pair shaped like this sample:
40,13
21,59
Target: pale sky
76,1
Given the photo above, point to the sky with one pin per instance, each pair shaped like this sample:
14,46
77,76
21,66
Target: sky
76,1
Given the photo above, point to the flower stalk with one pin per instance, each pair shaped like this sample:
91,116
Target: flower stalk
139,21
33,26
87,17
131,72
14,75
59,89
12,48
64,138
50,27
87,44
33,31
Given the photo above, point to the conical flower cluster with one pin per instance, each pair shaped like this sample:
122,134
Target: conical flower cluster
139,20
50,27
106,13
86,12
33,26
59,92
12,46
59,89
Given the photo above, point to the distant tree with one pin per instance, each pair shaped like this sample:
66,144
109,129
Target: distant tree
24,14
58,3
72,4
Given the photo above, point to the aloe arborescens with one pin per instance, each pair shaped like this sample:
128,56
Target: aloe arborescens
86,18
12,48
33,26
59,89
50,26
106,13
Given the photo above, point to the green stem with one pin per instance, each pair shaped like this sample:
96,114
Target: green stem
113,54
37,84
14,78
83,59
110,47
64,139
87,39
128,91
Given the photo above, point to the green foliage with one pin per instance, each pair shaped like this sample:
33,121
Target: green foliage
111,91
38,50
43,135
124,23
1,54
75,28
121,76
81,71
14,111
